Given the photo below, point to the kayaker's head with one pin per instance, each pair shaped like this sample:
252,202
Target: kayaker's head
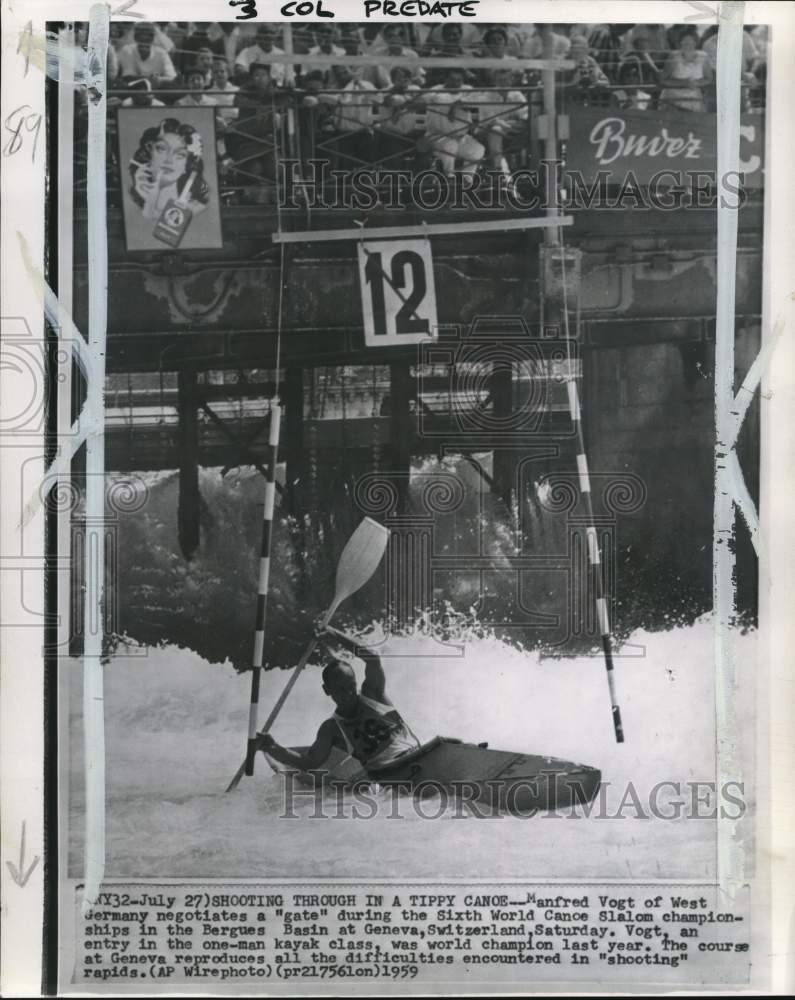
339,683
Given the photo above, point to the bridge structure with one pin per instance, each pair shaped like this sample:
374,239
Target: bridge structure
193,337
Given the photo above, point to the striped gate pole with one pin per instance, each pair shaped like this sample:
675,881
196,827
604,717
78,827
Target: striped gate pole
594,558
262,587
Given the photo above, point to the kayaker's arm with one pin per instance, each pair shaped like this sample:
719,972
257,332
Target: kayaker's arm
312,758
374,685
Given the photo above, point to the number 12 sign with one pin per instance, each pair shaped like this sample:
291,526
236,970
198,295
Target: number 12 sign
398,294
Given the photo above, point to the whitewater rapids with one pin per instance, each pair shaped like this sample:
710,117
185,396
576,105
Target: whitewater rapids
176,728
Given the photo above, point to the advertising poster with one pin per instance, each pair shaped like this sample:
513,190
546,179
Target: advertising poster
169,179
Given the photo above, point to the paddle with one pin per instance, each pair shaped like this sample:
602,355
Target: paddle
358,562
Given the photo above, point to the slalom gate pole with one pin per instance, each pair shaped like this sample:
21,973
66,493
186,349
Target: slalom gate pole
262,587
594,557
270,500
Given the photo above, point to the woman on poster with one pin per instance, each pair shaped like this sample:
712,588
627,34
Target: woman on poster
168,167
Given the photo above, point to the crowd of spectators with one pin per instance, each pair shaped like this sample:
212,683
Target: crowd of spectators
457,117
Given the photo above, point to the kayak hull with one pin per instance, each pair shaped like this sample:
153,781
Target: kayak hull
500,781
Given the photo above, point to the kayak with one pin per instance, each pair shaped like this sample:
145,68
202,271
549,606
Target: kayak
504,782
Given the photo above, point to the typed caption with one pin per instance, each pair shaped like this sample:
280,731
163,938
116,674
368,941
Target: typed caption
243,934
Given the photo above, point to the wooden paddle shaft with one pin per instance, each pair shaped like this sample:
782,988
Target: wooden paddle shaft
288,687
358,562
296,672
283,696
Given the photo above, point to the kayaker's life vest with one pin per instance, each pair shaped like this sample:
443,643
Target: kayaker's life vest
377,734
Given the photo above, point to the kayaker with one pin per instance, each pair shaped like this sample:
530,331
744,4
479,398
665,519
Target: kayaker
366,724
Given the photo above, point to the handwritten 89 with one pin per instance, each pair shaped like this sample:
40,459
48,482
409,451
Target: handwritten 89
20,125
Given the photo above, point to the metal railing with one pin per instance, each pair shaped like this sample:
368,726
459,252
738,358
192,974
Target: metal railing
371,131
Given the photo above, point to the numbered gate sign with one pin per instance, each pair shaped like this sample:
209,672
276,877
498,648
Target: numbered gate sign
398,294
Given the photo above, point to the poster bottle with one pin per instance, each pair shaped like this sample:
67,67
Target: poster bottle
175,217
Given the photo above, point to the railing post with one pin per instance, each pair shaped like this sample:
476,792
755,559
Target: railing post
551,139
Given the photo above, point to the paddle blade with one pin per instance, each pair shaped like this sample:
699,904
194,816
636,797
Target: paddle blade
360,558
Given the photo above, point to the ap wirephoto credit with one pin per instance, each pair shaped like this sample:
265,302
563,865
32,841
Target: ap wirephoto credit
405,481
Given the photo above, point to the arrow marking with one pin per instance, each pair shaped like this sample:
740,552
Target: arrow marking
19,875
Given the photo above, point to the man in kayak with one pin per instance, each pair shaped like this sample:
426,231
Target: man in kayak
366,724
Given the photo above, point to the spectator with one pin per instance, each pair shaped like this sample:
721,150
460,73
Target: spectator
630,76
398,116
639,53
143,58
303,38
685,76
315,115
449,123
203,62
351,39
560,41
253,140
141,95
495,43
402,92
495,46
753,52
116,39
604,41
165,34
371,37
224,92
580,55
523,41
501,113
263,47
313,85
196,39
175,32
470,36
451,47
324,46
673,35
651,38
586,83
195,96
353,121
758,93
761,38
392,44
228,38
